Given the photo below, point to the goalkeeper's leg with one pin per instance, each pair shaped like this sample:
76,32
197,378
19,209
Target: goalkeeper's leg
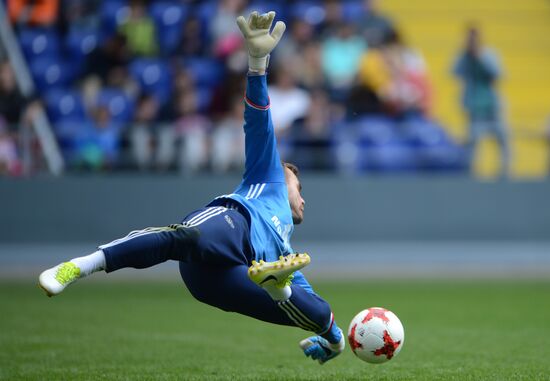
230,289
205,236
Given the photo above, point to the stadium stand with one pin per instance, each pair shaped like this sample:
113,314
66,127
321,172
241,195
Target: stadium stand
82,67
517,30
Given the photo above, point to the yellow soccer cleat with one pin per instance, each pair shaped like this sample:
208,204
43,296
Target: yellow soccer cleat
54,280
279,271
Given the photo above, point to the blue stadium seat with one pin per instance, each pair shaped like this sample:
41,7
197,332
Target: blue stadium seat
50,72
169,17
394,157
263,6
375,131
205,71
154,77
113,13
205,10
64,104
39,42
309,10
204,97
381,147
434,149
117,102
71,133
80,43
420,132
352,10
70,128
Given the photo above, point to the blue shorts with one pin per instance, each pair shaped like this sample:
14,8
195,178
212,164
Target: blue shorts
213,248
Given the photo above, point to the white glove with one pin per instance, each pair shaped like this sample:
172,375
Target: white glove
258,40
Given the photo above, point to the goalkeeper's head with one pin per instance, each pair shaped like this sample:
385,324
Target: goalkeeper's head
294,187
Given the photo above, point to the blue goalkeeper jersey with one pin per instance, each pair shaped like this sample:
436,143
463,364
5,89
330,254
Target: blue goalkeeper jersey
263,191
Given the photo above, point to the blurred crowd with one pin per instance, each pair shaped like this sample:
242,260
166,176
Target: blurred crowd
158,85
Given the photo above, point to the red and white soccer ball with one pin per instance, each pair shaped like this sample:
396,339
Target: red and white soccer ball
376,335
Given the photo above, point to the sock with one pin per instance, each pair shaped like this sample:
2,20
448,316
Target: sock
276,293
334,335
90,263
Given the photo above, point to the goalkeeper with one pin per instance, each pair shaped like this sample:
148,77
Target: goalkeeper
234,253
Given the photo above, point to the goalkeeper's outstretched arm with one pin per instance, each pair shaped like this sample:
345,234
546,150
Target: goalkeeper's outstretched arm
262,163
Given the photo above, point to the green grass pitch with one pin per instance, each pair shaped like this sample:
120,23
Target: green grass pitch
154,330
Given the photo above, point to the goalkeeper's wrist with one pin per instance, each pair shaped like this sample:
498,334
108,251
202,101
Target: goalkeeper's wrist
258,64
334,335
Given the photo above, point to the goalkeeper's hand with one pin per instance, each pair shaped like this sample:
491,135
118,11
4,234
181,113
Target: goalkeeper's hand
321,349
258,39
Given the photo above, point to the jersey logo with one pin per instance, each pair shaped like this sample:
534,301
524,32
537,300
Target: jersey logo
268,278
229,221
255,190
277,224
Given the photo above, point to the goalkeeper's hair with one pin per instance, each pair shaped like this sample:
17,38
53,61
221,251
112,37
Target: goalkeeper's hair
293,168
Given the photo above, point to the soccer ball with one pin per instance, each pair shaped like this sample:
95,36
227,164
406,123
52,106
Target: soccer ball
376,335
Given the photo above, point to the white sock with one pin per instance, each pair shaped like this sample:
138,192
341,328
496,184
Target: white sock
90,263
276,293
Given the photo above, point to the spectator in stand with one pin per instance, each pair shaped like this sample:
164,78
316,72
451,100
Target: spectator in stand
79,14
192,128
288,101
221,103
120,78
375,27
139,30
340,55
333,18
115,52
300,52
143,132
311,136
392,80
13,105
478,68
223,30
409,91
9,160
291,47
33,12
107,135
228,139
98,141
308,71
366,96
153,142
183,83
191,42
108,66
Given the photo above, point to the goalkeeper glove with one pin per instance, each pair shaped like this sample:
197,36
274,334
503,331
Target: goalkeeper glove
321,349
259,41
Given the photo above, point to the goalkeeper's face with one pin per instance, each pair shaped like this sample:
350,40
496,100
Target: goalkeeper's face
295,199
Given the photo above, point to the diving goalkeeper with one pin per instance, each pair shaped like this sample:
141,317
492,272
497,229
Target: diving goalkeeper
234,254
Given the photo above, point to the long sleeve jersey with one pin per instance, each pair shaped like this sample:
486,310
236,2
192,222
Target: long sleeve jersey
263,191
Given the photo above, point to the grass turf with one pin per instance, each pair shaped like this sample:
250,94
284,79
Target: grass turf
154,330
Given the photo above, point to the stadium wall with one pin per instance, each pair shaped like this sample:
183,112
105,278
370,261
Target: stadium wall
98,209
